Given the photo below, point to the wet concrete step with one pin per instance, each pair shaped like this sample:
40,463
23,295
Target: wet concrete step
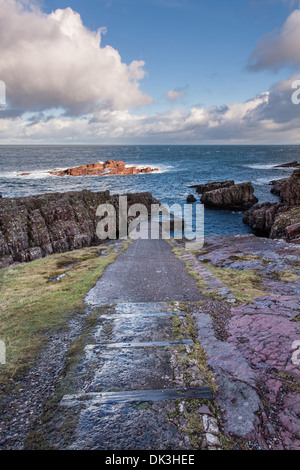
128,426
139,396
126,391
134,308
138,329
153,344
143,314
128,369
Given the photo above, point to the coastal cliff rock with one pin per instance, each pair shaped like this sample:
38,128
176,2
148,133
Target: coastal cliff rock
277,186
235,197
204,188
279,220
262,217
287,225
276,221
37,226
110,167
290,191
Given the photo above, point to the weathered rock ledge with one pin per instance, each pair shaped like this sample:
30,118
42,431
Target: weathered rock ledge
277,186
37,226
110,167
279,221
255,364
204,188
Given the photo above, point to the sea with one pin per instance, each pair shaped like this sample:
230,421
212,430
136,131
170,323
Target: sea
179,168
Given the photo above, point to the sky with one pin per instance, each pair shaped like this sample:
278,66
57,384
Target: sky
150,71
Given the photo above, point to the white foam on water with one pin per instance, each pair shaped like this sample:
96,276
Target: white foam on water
260,166
35,174
262,181
159,167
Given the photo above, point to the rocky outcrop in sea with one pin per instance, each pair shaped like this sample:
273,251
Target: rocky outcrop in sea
110,167
205,188
227,195
236,197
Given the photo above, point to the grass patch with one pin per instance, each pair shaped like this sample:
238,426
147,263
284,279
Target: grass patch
245,257
200,281
197,356
184,327
32,307
204,252
285,276
290,382
245,285
194,427
201,284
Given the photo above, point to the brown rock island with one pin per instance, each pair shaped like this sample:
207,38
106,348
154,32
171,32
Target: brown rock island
110,167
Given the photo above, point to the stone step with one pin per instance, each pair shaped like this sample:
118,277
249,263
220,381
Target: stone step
198,393
142,314
155,344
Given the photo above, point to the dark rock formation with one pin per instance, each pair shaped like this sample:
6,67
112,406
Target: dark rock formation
287,225
289,165
235,197
204,188
37,226
191,199
279,220
292,233
110,167
277,185
262,217
290,191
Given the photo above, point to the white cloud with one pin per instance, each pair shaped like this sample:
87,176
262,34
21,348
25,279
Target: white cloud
53,60
277,50
174,95
267,118
63,87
